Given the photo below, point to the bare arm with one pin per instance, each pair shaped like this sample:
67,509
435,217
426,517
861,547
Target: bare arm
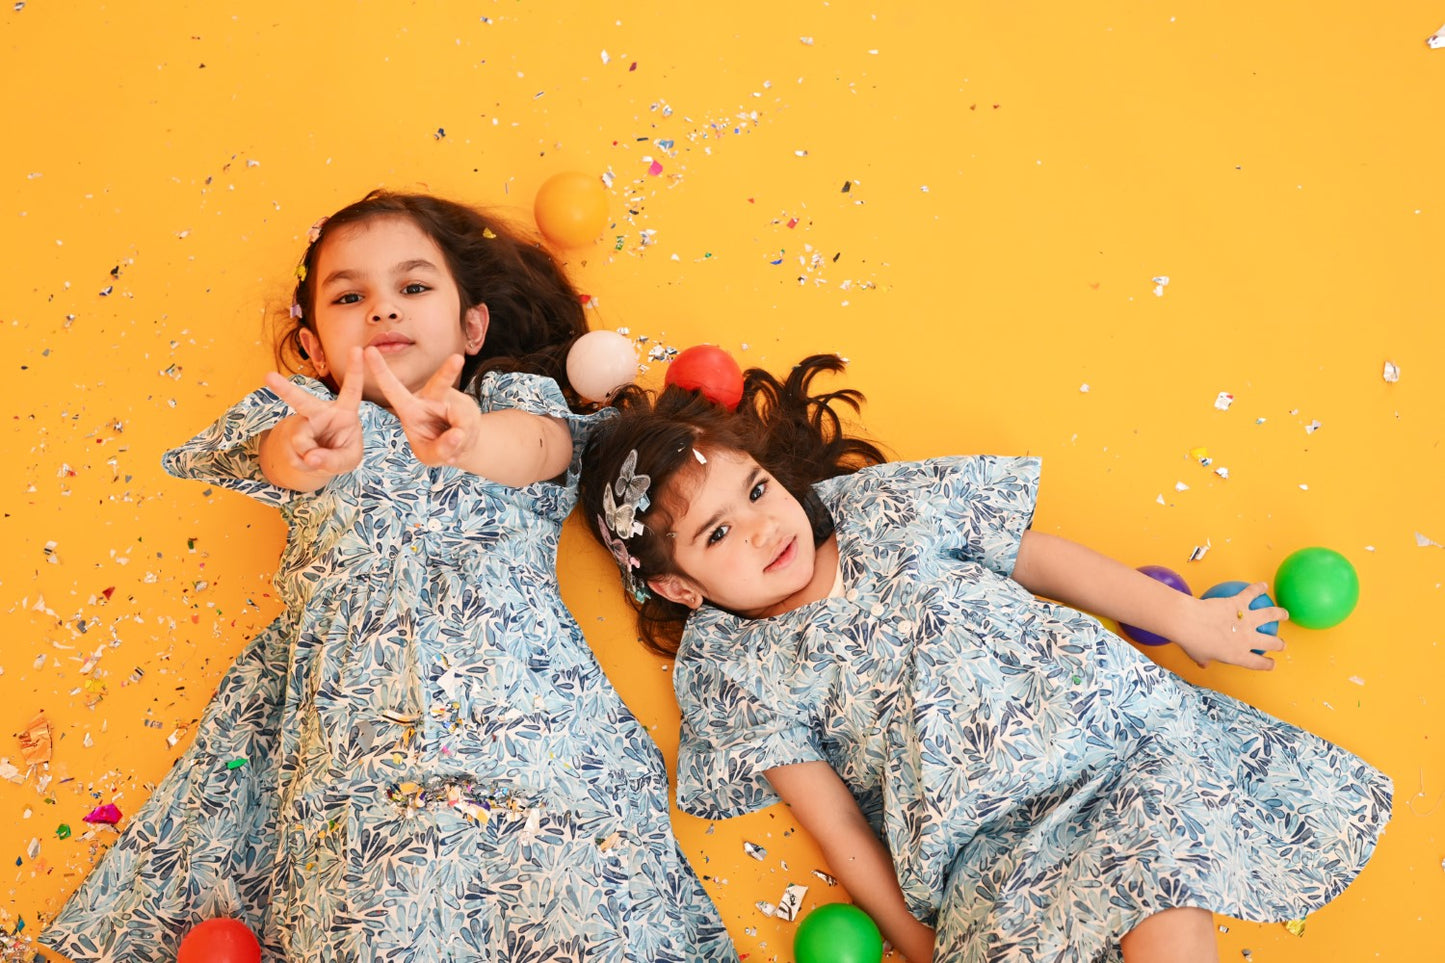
1207,630
827,810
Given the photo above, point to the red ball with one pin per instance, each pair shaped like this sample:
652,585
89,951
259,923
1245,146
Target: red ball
219,940
711,370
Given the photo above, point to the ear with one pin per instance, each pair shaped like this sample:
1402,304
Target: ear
676,588
317,355
474,327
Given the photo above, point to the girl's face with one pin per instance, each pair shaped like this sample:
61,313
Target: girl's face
384,283
741,540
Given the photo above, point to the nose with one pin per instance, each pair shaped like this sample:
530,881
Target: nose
762,532
382,311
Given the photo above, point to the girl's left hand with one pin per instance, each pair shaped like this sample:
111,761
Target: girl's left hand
441,422
1226,630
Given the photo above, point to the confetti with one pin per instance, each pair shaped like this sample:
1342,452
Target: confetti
35,741
1160,283
1424,541
1296,927
1435,41
755,851
791,902
108,814
1223,400
1392,372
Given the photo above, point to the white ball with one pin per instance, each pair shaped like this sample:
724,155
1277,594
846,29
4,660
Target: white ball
599,363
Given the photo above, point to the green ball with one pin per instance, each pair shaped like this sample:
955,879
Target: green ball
837,933
1317,586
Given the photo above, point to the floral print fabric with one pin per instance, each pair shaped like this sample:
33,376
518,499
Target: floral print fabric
437,767
1041,785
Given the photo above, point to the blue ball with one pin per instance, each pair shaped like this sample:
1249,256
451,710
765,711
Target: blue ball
1227,590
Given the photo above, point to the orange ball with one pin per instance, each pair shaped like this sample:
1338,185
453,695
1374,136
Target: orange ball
219,940
571,209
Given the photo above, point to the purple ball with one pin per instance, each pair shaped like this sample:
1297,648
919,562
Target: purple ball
1170,578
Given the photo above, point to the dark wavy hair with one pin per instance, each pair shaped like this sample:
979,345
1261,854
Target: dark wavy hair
795,435
535,311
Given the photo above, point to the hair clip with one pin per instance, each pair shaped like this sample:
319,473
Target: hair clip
630,499
295,310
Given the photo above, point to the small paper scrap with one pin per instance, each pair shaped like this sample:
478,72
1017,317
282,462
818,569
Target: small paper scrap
35,741
1160,283
755,851
1223,401
1437,39
109,814
1392,372
791,902
1424,541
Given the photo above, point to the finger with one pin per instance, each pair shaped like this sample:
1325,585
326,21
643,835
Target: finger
397,394
1259,663
327,460
445,378
450,444
350,396
1269,614
1263,642
301,401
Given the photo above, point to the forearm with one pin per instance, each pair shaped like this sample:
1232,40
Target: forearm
518,448
863,866
1080,577
825,808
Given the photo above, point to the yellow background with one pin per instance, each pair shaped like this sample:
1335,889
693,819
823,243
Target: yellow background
1019,174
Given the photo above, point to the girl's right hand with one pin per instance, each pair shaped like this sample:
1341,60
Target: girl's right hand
322,439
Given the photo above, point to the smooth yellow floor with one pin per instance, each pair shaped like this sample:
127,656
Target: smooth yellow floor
971,201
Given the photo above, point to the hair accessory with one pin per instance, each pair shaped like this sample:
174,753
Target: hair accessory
621,503
630,498
295,310
625,561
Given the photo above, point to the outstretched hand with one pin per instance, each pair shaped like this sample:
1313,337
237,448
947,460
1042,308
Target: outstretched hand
322,437
442,423
1226,630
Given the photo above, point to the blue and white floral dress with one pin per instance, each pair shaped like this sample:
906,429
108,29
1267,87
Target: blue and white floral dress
1041,785
436,767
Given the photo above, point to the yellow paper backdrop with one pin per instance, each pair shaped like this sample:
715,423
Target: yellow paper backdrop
978,204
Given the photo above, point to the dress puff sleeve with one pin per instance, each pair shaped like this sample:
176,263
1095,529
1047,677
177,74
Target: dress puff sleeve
731,732
227,453
976,506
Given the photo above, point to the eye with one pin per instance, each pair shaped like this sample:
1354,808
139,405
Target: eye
416,287
718,534
758,491
350,297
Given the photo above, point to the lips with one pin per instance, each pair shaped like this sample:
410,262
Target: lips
785,556
389,342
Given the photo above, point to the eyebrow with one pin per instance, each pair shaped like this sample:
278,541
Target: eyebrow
752,480
405,267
